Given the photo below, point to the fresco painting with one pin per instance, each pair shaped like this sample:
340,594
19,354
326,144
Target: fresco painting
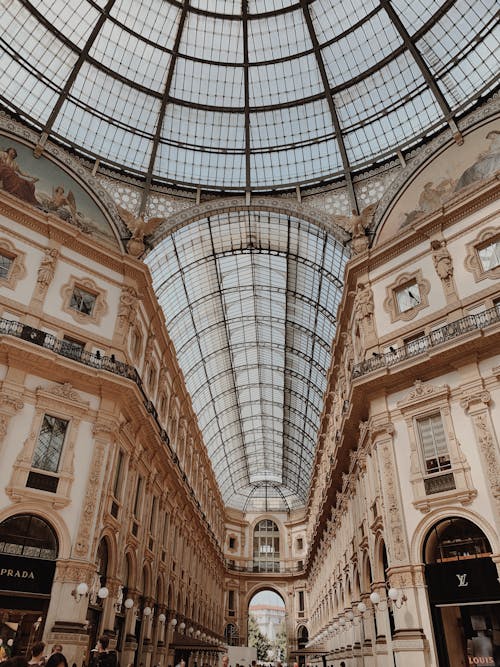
436,191
43,184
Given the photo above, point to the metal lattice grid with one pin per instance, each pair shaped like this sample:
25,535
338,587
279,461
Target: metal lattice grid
245,95
250,301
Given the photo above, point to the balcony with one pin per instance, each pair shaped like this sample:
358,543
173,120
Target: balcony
255,569
425,343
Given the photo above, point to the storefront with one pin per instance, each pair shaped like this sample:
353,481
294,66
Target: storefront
28,552
464,594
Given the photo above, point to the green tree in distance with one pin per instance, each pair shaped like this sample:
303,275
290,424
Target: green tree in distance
257,639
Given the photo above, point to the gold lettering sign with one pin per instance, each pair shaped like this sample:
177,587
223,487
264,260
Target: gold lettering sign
17,574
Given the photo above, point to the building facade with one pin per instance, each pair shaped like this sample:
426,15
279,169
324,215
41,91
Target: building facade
111,519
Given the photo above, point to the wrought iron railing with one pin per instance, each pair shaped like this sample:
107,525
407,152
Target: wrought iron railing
423,344
256,569
69,349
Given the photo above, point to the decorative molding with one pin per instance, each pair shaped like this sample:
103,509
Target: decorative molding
423,392
90,502
489,452
100,306
63,390
390,302
481,398
392,506
472,260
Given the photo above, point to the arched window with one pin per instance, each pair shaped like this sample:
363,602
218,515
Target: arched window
455,539
266,547
28,535
231,635
302,637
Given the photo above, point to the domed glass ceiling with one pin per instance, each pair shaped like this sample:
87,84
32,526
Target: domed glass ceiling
250,299
244,94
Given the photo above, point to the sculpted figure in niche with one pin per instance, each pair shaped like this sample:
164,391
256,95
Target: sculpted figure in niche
129,301
364,305
442,259
47,267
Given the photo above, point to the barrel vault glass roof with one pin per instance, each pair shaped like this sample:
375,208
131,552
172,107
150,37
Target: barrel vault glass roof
250,301
244,94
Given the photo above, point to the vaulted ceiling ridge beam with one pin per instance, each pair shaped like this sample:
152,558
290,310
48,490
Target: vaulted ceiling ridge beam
163,107
331,105
228,337
287,293
246,85
320,284
63,95
424,70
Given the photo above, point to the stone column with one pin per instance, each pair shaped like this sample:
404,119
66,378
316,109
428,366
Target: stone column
109,606
476,404
10,404
367,634
66,617
130,640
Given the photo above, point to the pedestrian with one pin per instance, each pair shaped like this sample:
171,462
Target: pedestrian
56,660
104,656
37,656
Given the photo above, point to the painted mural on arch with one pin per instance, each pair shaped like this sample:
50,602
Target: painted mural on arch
43,184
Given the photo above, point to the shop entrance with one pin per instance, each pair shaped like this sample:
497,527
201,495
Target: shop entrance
28,552
464,594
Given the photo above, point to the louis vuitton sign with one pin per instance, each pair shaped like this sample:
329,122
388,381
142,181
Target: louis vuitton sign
26,575
467,580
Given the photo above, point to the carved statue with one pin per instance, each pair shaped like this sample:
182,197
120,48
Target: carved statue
47,268
129,301
357,225
139,228
442,259
364,305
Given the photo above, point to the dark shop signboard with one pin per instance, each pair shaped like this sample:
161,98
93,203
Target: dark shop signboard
468,580
26,575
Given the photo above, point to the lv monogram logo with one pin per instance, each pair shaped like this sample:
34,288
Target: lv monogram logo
462,580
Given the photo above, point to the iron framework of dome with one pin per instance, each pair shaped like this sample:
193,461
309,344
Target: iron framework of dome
244,94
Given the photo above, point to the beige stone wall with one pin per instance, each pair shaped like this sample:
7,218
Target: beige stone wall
172,554
369,491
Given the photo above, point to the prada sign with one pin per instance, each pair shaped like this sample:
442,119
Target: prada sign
26,575
468,580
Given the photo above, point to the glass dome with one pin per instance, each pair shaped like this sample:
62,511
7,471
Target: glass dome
244,94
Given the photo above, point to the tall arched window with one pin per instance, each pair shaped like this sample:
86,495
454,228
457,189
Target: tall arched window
231,635
266,547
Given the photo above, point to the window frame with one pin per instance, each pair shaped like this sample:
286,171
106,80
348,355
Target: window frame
404,281
45,417
473,262
17,270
